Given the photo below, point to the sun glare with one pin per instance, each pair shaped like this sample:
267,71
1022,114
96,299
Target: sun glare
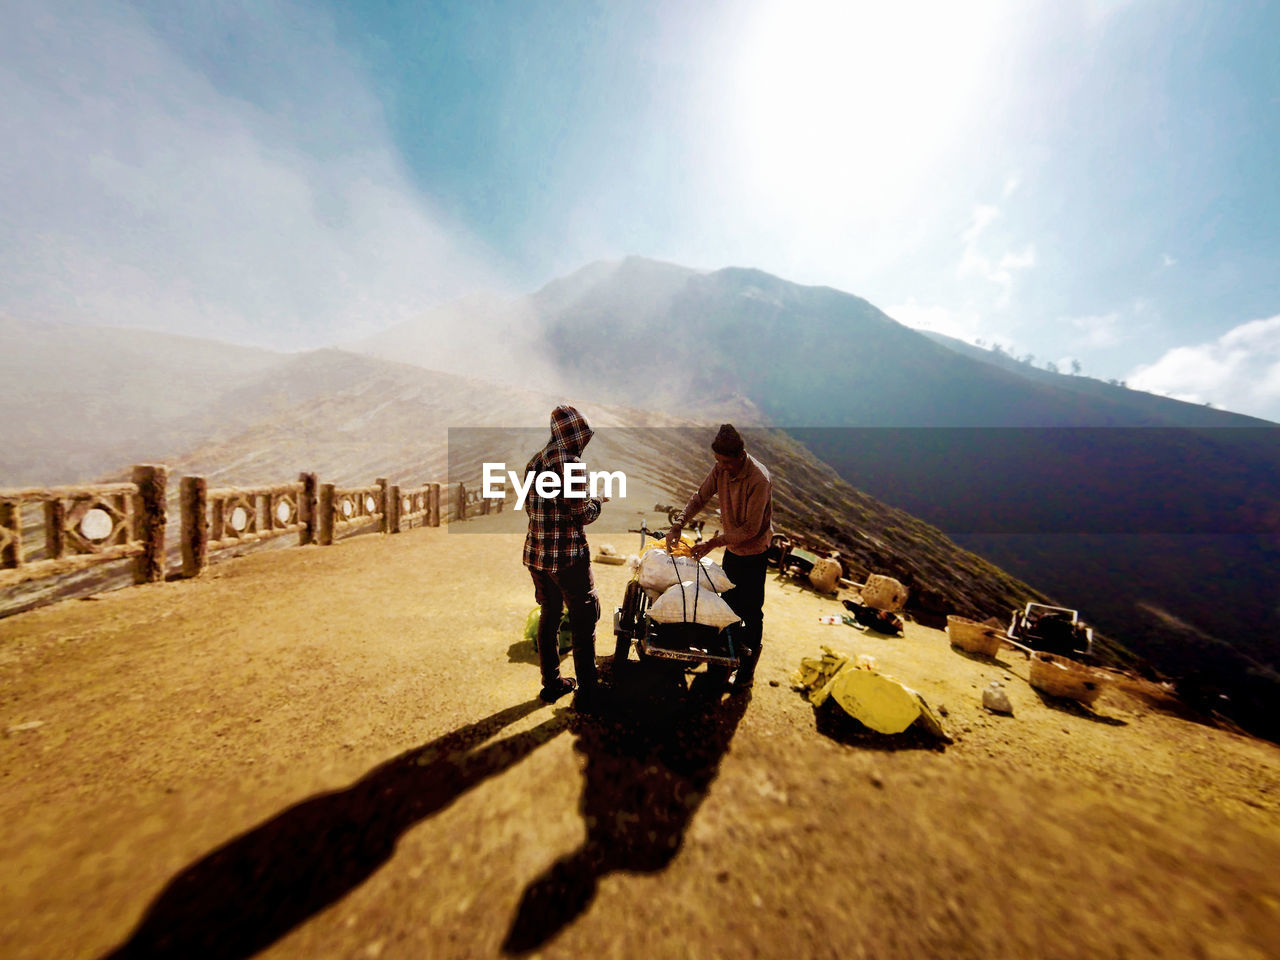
842,107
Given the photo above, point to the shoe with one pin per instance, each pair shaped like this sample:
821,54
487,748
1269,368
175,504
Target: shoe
557,690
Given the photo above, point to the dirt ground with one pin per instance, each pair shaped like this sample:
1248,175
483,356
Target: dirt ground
339,752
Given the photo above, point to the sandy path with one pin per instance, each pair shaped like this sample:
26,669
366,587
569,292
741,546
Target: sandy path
337,752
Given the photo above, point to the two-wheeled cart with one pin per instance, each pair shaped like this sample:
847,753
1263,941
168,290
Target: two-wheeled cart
688,644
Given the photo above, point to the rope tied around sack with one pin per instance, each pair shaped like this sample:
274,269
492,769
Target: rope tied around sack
684,607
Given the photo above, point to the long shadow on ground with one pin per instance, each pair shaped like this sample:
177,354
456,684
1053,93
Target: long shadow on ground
652,752
248,893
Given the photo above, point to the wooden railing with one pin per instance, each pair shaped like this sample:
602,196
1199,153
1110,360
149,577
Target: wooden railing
99,523
471,503
234,516
421,504
345,507
88,525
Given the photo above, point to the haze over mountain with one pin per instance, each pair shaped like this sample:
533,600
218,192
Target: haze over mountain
82,399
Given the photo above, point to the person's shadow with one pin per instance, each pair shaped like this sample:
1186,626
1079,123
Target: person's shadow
652,753
245,895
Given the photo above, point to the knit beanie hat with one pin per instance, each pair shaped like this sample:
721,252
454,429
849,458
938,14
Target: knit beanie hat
728,441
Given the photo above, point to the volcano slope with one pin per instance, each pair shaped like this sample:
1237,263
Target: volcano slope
338,752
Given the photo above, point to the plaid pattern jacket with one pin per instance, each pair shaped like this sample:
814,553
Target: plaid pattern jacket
555,539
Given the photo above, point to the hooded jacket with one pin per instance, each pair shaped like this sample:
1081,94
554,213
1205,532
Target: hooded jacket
555,539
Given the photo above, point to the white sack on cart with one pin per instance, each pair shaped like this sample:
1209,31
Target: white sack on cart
659,572
689,602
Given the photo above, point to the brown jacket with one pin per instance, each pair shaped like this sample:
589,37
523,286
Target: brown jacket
746,506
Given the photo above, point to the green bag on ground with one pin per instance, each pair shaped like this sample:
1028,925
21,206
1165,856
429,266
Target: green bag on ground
531,629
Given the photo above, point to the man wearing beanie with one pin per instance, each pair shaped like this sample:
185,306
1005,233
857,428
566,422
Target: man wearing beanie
556,553
745,492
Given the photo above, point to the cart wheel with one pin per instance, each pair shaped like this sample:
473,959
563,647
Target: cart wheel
628,621
631,601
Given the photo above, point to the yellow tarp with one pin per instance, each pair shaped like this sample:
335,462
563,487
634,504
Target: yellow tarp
873,699
884,705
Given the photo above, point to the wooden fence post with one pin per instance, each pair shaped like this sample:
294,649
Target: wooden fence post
325,526
462,502
393,509
11,523
384,507
433,505
307,509
55,523
195,525
263,518
152,479
218,519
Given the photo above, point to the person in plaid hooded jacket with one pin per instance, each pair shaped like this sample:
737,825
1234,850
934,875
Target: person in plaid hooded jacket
559,560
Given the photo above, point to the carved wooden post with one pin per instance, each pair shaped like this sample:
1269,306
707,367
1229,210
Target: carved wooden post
55,524
433,505
152,479
11,523
218,519
264,520
325,526
393,509
195,525
383,506
307,509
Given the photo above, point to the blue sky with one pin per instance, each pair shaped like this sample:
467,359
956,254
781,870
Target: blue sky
1089,180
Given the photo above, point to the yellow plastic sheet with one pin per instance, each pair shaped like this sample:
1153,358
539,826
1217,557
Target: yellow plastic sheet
874,700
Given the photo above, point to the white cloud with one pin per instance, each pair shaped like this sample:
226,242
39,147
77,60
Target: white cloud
1011,186
975,262
1239,371
1167,260
138,192
984,214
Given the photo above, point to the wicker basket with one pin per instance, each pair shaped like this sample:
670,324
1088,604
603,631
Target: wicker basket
884,593
826,573
1060,677
973,636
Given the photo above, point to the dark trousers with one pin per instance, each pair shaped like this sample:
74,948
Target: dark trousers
575,588
746,599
